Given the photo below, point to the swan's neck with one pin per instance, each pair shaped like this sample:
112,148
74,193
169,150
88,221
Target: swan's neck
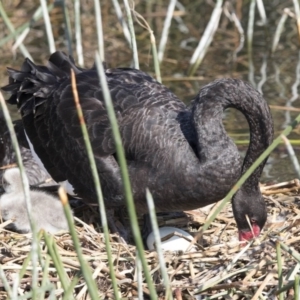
261,136
213,142
208,108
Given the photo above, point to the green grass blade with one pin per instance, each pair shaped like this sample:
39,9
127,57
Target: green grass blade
36,16
250,41
206,39
56,261
12,30
262,11
290,250
155,57
25,183
68,293
97,183
296,288
132,35
68,28
165,31
297,12
85,268
78,37
45,279
122,21
292,155
125,177
5,283
279,30
99,29
142,22
48,26
159,250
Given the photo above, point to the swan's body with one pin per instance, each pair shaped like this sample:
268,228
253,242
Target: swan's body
35,174
47,210
183,155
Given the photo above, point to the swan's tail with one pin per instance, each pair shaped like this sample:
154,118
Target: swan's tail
33,84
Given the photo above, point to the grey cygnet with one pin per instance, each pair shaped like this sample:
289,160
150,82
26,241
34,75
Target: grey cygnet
47,210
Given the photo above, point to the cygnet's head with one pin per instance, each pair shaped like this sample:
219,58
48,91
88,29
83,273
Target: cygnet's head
46,209
11,181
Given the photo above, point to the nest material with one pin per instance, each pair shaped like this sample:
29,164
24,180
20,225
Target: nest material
221,267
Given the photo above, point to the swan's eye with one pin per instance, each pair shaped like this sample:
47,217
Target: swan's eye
253,221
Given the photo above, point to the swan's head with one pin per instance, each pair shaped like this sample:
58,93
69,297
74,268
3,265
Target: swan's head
250,213
11,181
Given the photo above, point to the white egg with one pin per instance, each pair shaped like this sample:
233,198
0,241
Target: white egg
174,243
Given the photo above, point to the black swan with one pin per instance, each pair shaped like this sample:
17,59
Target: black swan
35,174
182,154
47,210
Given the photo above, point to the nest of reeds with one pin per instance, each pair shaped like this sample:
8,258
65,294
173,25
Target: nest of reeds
220,268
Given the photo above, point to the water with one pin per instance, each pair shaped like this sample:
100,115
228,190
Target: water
276,76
